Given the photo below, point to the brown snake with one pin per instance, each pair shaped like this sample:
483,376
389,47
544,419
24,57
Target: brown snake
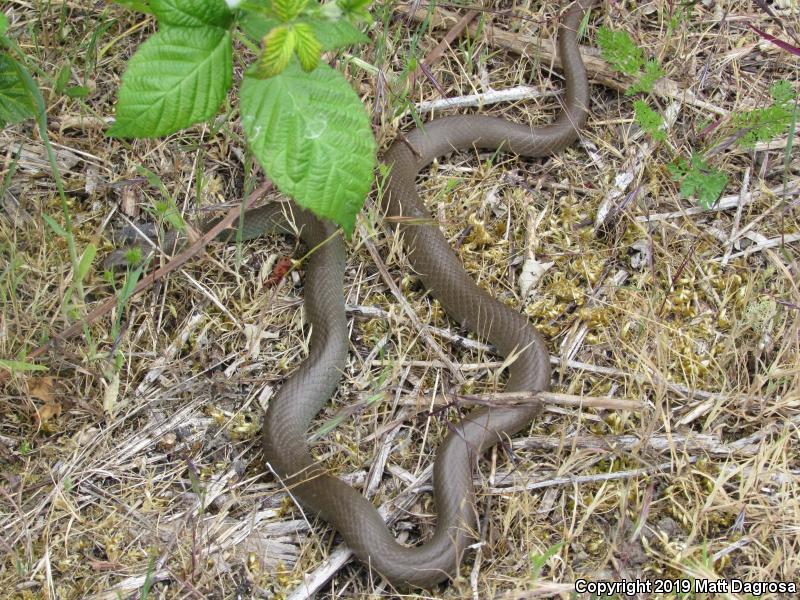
311,385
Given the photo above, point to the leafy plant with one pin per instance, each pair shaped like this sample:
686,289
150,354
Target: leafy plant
697,178
538,561
304,123
764,124
645,83
21,99
619,49
16,101
649,120
679,13
700,180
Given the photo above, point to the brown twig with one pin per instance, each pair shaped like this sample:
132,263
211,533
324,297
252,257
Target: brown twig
435,54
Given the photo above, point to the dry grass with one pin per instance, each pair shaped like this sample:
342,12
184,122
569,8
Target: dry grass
152,467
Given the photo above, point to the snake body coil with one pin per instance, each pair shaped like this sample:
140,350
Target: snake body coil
312,384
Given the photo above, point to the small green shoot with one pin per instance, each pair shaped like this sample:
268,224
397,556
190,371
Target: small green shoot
680,13
765,124
133,256
18,366
700,180
619,49
165,209
649,120
25,448
652,73
538,561
148,578
20,99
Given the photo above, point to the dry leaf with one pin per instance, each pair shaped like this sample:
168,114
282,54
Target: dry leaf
44,389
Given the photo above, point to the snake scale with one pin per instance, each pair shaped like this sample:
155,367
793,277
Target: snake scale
298,401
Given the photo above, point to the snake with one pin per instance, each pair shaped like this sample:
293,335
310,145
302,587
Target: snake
297,402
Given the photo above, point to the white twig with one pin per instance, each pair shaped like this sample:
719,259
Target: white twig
523,92
726,203
737,219
770,243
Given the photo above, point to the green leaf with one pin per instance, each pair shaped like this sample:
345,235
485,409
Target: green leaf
137,5
178,77
288,9
62,79
86,262
336,34
3,23
279,46
781,92
649,120
538,561
620,50
34,95
355,9
765,124
313,137
129,284
645,83
166,210
192,13
332,35
18,365
307,46
57,229
699,180
256,26
15,103
77,91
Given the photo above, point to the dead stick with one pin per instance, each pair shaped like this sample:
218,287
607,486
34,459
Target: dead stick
435,54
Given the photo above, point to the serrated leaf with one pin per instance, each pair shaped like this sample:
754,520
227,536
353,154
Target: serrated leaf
336,34
15,103
781,92
192,13
332,35
86,262
353,4
649,120
178,77
620,50
279,46
646,81
288,9
256,26
313,137
307,46
699,180
355,9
